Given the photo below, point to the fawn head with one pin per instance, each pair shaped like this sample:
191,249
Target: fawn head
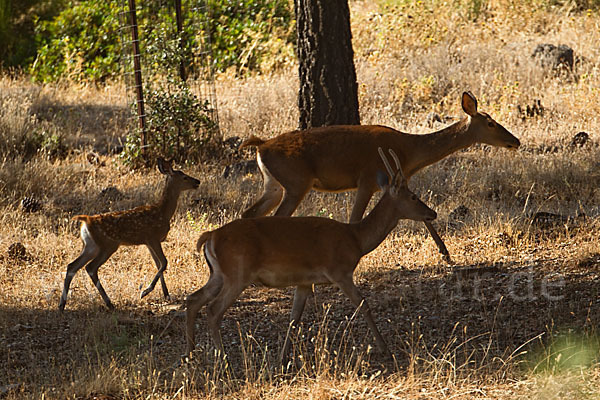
487,130
408,205
177,178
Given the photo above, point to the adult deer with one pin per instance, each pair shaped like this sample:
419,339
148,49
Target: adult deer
301,252
343,157
102,234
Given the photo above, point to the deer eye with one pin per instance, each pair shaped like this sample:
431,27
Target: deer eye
491,124
413,197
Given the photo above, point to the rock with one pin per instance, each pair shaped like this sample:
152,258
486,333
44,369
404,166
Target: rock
580,139
240,168
17,251
554,57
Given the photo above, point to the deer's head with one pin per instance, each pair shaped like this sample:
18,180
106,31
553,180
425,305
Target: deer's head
177,178
486,129
407,204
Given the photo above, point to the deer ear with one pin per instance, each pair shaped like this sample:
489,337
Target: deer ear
469,104
398,181
164,166
382,180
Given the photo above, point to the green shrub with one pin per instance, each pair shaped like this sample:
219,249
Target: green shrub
83,41
17,25
178,126
241,28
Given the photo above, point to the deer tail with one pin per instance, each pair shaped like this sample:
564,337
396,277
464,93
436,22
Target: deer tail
202,239
252,141
82,218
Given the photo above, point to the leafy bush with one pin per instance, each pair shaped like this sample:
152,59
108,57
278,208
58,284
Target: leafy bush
178,126
240,29
17,25
83,41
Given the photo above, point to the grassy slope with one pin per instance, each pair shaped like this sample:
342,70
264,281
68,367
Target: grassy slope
519,287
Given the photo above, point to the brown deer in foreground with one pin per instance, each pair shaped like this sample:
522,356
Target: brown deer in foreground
102,234
298,251
343,157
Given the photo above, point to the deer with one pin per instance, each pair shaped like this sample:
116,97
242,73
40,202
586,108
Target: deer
339,158
281,251
103,234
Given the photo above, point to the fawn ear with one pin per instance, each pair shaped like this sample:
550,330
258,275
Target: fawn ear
164,166
469,103
382,180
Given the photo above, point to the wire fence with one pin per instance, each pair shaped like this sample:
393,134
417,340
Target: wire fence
166,44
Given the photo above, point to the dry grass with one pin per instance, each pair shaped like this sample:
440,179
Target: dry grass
516,318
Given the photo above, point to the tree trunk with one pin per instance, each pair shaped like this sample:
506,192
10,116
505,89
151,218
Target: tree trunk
328,89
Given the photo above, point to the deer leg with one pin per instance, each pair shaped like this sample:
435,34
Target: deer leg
352,292
92,270
194,303
90,250
270,198
439,242
300,296
217,308
363,196
291,199
161,264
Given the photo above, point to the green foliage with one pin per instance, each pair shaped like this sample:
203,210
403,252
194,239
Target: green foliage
475,8
50,144
17,22
201,223
240,28
4,19
563,352
81,43
164,49
178,126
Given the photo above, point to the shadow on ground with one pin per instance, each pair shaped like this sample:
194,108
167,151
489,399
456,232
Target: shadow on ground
475,313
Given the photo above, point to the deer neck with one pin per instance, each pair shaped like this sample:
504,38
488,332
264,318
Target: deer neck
431,148
375,227
168,200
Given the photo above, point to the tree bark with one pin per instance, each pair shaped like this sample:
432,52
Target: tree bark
328,92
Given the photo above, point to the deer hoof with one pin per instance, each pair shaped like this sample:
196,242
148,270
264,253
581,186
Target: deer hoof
145,292
448,259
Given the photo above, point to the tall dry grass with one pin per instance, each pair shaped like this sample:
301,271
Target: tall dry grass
516,318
